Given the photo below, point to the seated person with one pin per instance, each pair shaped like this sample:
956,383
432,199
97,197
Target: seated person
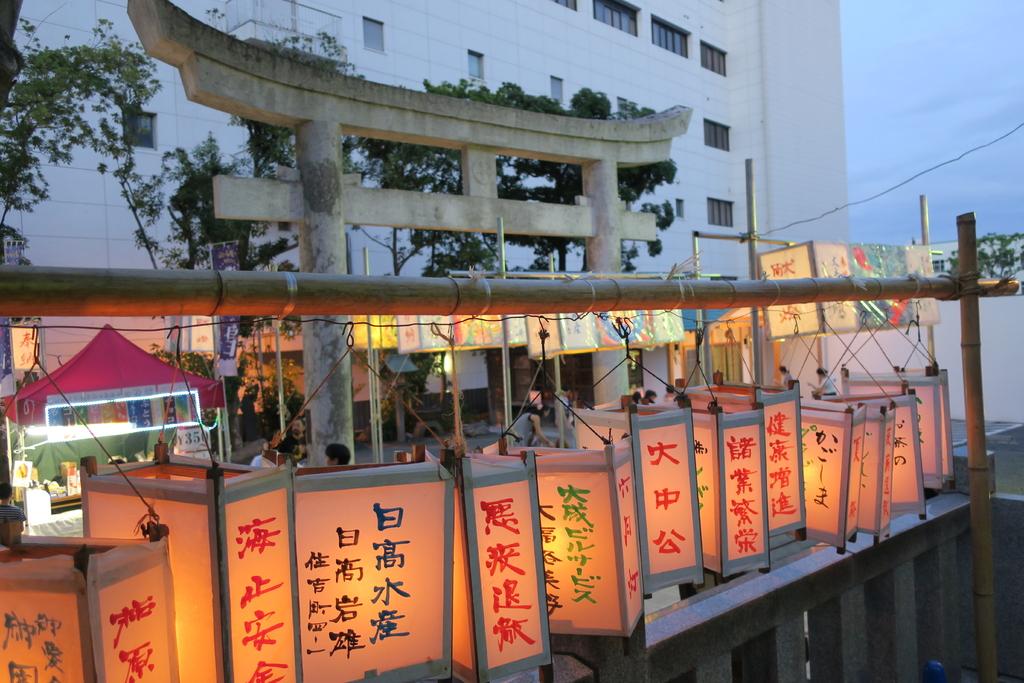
337,454
8,512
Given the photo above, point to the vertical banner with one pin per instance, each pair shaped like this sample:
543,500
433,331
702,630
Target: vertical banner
744,495
225,256
784,449
669,524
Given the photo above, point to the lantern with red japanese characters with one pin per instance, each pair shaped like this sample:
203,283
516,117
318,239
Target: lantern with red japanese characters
500,603
875,500
374,556
588,524
784,449
907,472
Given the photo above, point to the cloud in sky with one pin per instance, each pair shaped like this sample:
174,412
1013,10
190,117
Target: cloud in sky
923,83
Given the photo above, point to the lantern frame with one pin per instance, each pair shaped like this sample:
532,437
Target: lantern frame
770,399
607,461
728,421
476,478
843,420
365,477
683,418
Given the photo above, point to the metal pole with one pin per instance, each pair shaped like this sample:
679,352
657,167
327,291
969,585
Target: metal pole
926,239
755,320
705,350
506,363
281,417
977,458
556,360
10,451
372,382
225,433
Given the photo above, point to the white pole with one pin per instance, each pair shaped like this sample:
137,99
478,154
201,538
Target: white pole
372,381
556,360
926,240
279,374
755,324
506,379
223,412
10,452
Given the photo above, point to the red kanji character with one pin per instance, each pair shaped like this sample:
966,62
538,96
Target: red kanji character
256,590
780,477
745,540
136,612
260,636
265,673
664,498
666,546
742,510
777,425
624,487
742,478
782,505
138,662
254,536
499,558
633,582
507,597
499,513
780,450
627,530
740,449
660,450
509,630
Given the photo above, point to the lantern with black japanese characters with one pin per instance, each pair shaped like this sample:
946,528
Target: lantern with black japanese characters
374,556
828,441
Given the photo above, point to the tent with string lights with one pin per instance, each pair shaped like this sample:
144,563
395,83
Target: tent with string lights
119,390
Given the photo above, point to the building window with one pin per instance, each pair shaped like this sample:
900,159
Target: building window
373,34
571,4
712,58
556,88
476,65
616,14
716,135
680,209
140,129
626,106
719,212
669,37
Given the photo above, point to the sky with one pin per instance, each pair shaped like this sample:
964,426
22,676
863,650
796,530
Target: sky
924,82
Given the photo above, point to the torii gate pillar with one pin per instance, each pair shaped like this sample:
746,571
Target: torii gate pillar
322,249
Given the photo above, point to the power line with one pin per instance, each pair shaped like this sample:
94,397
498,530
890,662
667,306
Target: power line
897,185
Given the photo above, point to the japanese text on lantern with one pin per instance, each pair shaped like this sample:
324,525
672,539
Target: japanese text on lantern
781,434
627,524
259,567
888,446
133,654
667,497
37,634
704,440
742,491
824,440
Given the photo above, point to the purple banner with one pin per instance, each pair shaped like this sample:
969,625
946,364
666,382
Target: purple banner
224,256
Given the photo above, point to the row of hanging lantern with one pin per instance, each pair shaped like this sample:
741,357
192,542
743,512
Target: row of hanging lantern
426,569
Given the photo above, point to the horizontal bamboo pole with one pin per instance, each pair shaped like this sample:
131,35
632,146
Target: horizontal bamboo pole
37,291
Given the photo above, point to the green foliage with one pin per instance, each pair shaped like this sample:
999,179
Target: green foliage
999,256
427,169
77,97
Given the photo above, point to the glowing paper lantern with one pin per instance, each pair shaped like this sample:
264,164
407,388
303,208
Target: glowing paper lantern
238,510
46,622
374,550
705,450
131,609
500,598
666,484
589,532
907,474
784,449
828,458
875,500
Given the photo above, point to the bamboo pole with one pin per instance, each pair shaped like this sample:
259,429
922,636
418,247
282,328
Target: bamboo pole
977,457
34,290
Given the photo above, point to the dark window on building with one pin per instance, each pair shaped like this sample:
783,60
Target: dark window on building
680,209
476,65
373,34
616,14
140,129
712,58
716,135
556,88
571,4
719,212
669,37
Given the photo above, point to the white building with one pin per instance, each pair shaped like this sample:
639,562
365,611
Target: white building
763,77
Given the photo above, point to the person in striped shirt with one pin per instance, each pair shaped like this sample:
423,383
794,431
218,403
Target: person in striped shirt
8,512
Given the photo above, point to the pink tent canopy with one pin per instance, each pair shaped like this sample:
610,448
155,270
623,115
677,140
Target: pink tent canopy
108,362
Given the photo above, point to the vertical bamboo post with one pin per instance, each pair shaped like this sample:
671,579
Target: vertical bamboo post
977,458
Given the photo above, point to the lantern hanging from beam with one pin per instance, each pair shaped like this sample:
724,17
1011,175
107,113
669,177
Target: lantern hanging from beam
784,449
374,556
828,460
589,532
875,500
220,518
907,475
666,486
131,610
46,621
500,601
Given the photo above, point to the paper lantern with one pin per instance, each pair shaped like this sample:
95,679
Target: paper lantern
46,623
214,515
828,468
666,485
907,474
589,532
934,423
501,608
131,610
875,500
374,554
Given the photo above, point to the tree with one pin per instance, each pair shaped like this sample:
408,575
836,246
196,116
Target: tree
999,256
76,97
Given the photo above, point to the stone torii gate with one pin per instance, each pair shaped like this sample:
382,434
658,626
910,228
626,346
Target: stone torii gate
251,81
